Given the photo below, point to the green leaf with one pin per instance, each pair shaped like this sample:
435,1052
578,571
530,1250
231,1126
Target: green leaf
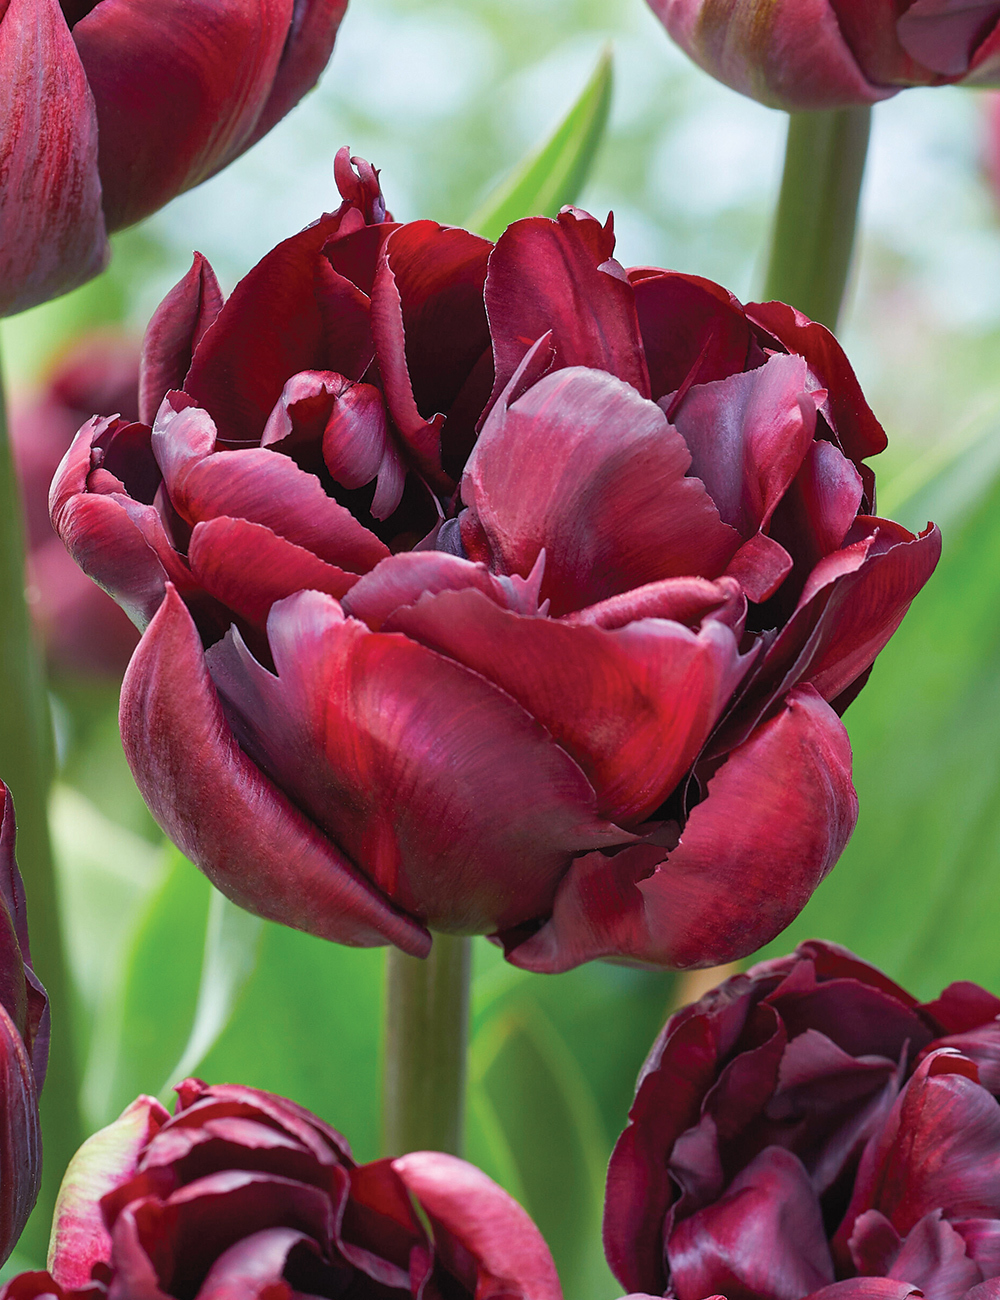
554,173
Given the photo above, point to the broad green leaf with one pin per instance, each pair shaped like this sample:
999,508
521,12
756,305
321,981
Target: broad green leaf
553,174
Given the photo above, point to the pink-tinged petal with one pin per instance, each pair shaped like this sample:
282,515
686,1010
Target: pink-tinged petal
430,330
693,331
307,51
455,802
791,55
560,276
763,1237
109,1158
933,1258
356,434
867,1288
222,811
683,600
874,1243
944,35
253,1268
817,512
760,566
174,332
849,415
612,510
402,579
632,706
982,1243
511,1256
275,324
247,567
52,234
780,809
989,1290
178,88
20,1135
262,486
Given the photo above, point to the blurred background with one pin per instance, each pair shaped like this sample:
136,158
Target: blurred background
445,98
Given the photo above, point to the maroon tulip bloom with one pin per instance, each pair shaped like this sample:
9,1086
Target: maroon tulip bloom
809,1129
24,1047
244,1195
83,630
823,54
111,108
572,680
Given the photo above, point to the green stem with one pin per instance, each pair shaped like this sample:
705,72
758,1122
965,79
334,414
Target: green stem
818,210
426,1042
26,763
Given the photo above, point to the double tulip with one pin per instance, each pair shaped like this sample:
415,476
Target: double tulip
494,589
242,1195
110,108
809,1129
823,54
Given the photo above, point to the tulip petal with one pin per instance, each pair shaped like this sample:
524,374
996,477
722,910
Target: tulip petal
52,234
632,706
222,811
109,1158
683,600
20,1135
256,1263
933,1258
178,88
763,1237
560,276
403,579
613,510
454,800
781,807
944,35
867,1288
174,331
511,1256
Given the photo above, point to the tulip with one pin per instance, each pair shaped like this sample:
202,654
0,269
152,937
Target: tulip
572,680
242,1194
810,1129
24,1047
829,54
83,630
111,108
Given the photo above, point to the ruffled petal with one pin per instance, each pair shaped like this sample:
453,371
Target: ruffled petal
933,1258
52,234
222,811
253,1268
174,331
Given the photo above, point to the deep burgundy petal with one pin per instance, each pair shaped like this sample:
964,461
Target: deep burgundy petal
560,276
867,1288
223,812
178,88
402,579
248,1269
943,35
52,234
683,600
763,1237
20,1135
511,1256
174,331
455,802
612,509
714,898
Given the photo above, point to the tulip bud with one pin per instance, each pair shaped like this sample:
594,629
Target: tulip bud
809,1129
494,589
112,108
826,54
243,1194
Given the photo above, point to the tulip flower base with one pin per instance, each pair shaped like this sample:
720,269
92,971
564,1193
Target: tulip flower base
426,1041
817,211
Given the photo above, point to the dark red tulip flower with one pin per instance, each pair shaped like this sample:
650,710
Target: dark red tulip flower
823,54
24,1047
110,108
810,1129
83,630
494,589
242,1195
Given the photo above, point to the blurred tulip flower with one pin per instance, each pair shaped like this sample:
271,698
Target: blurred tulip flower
826,54
572,680
83,630
244,1195
809,1129
24,1047
110,108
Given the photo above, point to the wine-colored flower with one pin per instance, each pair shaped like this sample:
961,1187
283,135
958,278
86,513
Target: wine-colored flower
83,630
110,108
24,1046
573,679
823,54
245,1195
810,1129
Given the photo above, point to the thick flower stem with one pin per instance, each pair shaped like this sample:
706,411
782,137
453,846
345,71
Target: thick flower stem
426,1040
26,761
813,235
